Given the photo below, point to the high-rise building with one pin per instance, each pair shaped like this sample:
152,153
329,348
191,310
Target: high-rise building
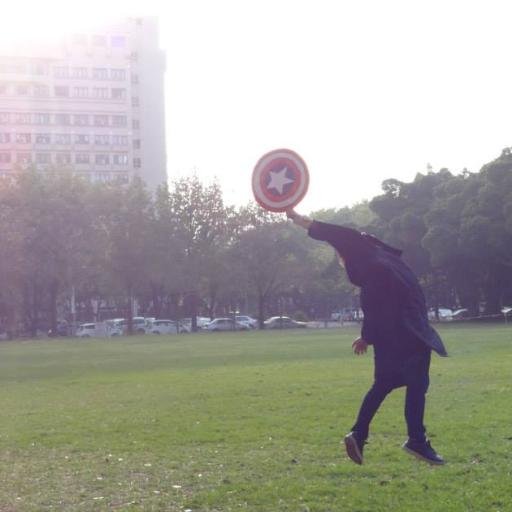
92,104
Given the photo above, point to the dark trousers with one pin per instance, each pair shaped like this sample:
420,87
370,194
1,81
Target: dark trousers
413,373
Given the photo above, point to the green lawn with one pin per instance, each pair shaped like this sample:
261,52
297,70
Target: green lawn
249,421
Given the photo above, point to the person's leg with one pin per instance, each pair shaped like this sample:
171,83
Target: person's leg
414,411
370,406
417,385
356,438
417,382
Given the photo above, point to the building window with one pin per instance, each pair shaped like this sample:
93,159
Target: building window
135,124
79,72
38,68
22,90
22,118
135,78
100,92
23,138
16,68
118,41
99,40
43,138
136,143
135,101
63,139
41,91
118,94
100,120
5,138
4,89
120,159
63,158
82,158
81,120
5,158
43,158
80,92
104,177
61,91
118,74
102,160
119,121
62,119
137,163
81,138
23,158
101,140
5,117
119,140
80,39
41,118
100,73
61,72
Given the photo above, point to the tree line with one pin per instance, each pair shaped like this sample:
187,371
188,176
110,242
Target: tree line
81,251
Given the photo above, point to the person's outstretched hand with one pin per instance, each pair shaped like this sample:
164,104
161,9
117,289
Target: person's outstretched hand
360,346
300,220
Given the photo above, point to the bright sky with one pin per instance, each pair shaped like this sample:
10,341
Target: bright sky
363,90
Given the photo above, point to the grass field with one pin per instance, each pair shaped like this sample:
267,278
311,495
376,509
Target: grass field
248,421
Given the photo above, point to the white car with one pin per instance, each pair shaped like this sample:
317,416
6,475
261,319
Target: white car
226,324
251,322
166,327
201,322
86,330
138,325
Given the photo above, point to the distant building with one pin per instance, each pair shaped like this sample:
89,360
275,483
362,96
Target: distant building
92,104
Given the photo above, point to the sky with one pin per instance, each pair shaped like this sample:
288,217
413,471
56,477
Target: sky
363,90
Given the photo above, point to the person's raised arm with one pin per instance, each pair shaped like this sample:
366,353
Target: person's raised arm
300,220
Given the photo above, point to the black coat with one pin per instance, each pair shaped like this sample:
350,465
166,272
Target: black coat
395,312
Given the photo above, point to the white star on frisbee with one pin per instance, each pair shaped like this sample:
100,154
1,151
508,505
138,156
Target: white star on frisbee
278,180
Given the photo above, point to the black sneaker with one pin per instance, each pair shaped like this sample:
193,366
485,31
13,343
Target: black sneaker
423,451
354,446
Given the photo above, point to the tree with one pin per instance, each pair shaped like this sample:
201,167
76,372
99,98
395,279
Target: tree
203,222
128,218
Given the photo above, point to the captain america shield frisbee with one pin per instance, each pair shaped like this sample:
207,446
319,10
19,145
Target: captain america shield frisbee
280,180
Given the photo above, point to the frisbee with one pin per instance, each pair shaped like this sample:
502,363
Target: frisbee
280,180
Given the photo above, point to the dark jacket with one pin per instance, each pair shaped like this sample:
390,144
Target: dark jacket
395,312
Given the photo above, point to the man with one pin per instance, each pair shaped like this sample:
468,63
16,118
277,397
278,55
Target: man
395,323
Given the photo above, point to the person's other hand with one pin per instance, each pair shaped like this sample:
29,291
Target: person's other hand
359,346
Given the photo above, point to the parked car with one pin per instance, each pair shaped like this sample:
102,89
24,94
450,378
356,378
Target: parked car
226,324
139,325
63,329
507,311
251,322
168,327
86,330
202,322
283,322
148,322
445,314
164,327
114,327
460,314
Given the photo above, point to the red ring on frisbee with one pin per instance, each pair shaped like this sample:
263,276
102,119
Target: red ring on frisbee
280,180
